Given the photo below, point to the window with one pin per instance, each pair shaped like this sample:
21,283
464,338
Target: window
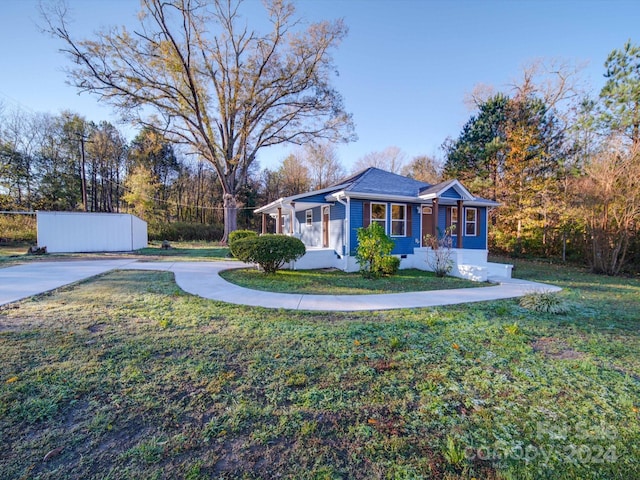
309,218
379,214
471,222
398,220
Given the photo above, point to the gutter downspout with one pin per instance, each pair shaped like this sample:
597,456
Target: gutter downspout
345,230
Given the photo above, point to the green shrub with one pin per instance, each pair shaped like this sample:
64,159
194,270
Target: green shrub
389,265
239,235
545,302
185,232
373,246
271,252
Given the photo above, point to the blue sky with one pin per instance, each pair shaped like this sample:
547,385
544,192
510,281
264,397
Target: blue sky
405,66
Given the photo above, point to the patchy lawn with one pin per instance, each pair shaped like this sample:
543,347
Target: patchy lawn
14,253
337,282
183,251
126,376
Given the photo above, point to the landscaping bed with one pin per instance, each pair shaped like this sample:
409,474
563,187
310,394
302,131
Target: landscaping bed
337,282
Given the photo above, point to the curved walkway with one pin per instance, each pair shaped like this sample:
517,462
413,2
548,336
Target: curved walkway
202,279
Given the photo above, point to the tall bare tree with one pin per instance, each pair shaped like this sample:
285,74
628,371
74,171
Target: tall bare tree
324,166
391,159
223,89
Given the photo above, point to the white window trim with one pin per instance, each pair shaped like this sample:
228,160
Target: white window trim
308,217
378,220
467,222
404,220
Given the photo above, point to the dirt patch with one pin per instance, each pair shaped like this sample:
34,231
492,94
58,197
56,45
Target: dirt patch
96,327
555,348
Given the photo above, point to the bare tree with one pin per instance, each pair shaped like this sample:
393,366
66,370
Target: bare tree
222,89
607,201
424,168
324,167
391,159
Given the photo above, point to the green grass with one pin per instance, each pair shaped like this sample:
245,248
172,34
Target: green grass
184,251
16,252
126,376
337,282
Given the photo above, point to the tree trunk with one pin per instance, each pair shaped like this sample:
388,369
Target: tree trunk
230,203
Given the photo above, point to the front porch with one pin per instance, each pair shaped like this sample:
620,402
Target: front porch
471,264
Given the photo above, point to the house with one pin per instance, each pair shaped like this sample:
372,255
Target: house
327,222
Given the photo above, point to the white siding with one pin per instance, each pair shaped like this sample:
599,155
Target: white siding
90,232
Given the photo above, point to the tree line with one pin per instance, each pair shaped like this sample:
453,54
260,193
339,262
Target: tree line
194,75
564,165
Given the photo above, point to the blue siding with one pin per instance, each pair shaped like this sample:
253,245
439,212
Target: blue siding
355,223
478,242
311,235
451,193
319,198
403,245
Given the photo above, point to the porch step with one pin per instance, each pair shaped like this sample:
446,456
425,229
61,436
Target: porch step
473,272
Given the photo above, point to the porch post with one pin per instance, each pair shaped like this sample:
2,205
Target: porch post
435,218
292,217
279,222
264,223
460,224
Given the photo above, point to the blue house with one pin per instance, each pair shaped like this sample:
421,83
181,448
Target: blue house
327,222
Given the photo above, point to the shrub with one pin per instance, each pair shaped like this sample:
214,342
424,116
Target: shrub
185,232
373,246
439,259
270,252
545,302
389,265
239,235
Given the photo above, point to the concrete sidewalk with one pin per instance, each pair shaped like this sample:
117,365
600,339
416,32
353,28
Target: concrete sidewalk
202,279
33,278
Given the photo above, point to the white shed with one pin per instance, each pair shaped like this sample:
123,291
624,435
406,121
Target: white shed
90,232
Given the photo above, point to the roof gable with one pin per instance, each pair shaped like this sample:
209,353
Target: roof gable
375,181
448,189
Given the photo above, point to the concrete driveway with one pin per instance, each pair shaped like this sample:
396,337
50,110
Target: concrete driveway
202,279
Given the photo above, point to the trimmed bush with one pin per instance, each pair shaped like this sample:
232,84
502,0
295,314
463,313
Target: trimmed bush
239,235
389,265
270,252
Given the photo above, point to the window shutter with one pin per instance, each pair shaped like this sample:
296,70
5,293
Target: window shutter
479,223
409,231
366,214
448,220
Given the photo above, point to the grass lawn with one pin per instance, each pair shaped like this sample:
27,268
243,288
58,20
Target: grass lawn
126,376
183,251
14,253
337,282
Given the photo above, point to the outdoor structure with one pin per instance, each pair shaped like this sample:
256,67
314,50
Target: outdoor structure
70,232
327,221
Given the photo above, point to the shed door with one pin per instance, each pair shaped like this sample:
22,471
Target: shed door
325,227
427,223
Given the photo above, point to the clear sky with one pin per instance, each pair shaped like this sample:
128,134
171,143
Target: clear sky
404,69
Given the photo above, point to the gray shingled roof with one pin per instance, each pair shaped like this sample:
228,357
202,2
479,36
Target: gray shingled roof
376,181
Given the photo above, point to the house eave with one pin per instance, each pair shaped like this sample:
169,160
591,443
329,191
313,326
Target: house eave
286,201
372,196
